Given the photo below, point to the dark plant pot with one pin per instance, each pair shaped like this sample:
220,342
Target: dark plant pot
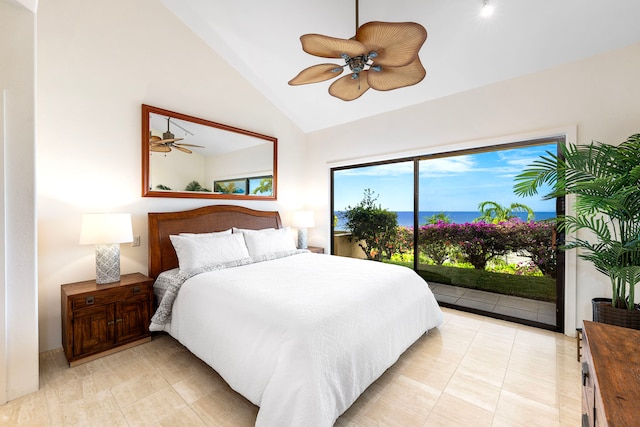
604,312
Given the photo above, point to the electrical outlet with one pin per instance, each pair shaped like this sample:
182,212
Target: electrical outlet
136,241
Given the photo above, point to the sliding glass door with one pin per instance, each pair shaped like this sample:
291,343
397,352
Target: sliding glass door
454,219
480,247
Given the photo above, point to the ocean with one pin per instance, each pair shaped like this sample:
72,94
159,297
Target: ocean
405,218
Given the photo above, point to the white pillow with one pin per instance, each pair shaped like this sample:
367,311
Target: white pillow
214,233
264,242
249,230
197,252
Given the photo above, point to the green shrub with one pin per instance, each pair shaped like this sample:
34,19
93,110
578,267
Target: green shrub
374,228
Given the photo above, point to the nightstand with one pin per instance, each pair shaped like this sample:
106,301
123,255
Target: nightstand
315,249
102,319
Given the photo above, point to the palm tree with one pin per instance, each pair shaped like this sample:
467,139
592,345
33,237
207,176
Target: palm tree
195,186
606,182
265,187
439,217
228,188
494,213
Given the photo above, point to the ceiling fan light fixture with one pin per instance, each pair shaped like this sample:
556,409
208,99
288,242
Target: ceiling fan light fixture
159,148
382,47
168,141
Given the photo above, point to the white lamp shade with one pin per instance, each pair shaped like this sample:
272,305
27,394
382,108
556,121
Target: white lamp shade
303,219
100,228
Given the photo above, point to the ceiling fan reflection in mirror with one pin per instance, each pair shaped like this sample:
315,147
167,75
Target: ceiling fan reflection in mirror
382,56
169,141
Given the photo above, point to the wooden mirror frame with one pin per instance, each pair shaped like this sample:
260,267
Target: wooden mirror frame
147,192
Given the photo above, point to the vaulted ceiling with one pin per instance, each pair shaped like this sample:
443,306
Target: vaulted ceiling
261,40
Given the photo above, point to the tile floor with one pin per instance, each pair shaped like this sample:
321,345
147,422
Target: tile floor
471,371
523,308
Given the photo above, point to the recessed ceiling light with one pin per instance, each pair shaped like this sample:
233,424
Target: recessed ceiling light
487,8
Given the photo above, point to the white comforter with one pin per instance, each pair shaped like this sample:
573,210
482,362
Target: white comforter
304,335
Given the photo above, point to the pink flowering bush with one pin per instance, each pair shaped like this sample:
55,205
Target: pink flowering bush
435,241
480,242
534,240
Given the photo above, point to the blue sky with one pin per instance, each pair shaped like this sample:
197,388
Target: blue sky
457,183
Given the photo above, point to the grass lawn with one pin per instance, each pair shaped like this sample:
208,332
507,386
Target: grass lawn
532,287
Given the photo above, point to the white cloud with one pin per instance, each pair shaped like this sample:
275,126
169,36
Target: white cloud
447,166
520,158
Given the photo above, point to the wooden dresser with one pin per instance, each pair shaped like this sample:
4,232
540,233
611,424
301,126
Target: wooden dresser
610,375
100,319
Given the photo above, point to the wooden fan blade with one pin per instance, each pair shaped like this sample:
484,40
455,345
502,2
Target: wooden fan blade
160,148
155,139
189,145
331,47
389,78
349,89
316,73
184,150
172,140
396,43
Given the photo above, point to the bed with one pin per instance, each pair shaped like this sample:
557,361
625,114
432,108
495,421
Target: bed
299,334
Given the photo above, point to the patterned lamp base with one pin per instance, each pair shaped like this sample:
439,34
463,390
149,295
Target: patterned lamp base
302,238
107,263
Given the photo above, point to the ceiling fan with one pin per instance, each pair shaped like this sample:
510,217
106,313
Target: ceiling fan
382,56
168,141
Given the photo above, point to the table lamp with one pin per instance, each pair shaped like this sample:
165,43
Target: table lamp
302,220
106,231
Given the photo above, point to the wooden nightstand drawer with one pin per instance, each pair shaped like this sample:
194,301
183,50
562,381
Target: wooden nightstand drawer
107,296
94,299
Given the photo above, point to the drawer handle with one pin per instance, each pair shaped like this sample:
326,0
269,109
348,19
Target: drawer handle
89,300
585,373
110,322
119,320
136,290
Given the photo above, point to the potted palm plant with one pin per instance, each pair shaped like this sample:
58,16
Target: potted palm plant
605,180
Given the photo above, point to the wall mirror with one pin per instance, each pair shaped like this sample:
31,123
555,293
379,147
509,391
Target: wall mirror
185,156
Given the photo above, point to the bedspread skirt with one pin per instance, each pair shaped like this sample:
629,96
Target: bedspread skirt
303,336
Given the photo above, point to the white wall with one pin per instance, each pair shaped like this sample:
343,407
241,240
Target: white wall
98,61
18,287
249,162
176,170
597,96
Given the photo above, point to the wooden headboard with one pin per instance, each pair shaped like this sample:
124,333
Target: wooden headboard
163,257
